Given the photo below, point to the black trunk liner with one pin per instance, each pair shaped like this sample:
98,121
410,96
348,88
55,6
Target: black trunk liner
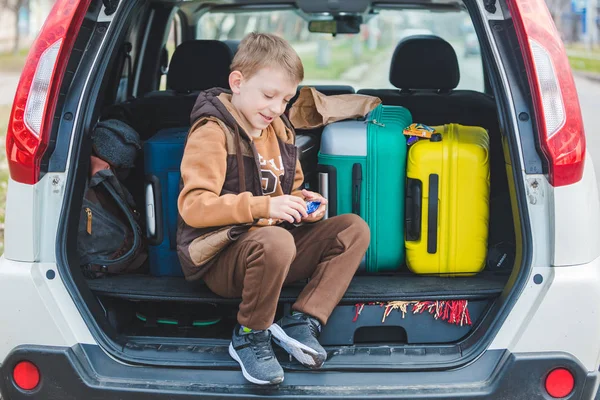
362,289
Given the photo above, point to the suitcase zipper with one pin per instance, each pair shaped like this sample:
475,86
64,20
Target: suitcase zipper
375,122
89,220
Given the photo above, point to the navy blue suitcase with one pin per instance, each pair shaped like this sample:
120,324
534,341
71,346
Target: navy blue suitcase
162,161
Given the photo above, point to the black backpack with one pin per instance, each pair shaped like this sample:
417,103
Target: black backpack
110,239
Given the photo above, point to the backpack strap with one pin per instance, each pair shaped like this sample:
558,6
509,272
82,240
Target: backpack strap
122,203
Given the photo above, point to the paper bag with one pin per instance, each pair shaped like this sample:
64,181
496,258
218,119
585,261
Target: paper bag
313,109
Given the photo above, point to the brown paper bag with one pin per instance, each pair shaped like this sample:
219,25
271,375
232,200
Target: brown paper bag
313,109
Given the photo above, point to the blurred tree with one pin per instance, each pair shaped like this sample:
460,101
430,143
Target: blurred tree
219,26
557,8
15,6
239,26
357,46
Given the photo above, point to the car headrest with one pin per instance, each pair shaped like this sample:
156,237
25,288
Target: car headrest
424,62
198,65
232,44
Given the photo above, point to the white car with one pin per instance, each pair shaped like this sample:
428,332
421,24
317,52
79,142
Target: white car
534,330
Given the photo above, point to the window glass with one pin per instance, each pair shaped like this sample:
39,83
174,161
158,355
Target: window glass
361,60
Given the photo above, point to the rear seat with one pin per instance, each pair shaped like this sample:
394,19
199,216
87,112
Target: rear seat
425,70
196,65
232,44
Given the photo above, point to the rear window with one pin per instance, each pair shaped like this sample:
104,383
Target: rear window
362,60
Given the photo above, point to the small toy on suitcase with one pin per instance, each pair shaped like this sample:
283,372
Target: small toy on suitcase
447,205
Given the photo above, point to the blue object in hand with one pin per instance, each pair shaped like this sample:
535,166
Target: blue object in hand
312,206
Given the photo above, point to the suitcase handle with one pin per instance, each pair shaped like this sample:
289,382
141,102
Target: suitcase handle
328,187
154,216
414,205
356,187
413,209
432,213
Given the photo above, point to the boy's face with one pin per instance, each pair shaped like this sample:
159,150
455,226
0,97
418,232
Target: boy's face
263,97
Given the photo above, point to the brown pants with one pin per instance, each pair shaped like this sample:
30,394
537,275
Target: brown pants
261,262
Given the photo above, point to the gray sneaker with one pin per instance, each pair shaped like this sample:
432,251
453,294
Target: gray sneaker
298,335
253,351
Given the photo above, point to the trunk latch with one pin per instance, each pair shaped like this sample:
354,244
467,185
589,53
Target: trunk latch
110,6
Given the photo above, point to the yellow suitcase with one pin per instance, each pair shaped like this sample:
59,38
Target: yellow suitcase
447,204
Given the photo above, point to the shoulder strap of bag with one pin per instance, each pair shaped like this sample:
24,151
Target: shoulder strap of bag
132,222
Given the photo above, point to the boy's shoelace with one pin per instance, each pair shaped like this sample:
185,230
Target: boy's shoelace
313,326
261,344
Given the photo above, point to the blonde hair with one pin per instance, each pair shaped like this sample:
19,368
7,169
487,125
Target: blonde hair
260,50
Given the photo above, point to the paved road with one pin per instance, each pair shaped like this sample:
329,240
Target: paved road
8,86
589,99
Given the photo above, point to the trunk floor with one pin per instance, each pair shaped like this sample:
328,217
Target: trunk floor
362,289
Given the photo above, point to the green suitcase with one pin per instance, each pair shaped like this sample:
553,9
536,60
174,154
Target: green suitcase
362,170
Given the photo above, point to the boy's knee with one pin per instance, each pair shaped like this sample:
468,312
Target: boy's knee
357,228
277,244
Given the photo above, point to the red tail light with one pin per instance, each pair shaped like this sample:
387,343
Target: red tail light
37,92
26,375
555,101
560,383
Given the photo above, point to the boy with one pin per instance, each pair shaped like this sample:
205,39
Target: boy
241,180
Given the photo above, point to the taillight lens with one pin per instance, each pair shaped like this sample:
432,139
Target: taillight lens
555,101
35,101
560,383
26,375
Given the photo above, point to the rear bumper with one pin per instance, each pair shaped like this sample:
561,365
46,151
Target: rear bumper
86,372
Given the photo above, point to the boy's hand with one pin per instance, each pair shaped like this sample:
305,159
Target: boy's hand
320,212
288,208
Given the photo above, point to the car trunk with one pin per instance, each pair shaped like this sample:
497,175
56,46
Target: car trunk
380,314
387,320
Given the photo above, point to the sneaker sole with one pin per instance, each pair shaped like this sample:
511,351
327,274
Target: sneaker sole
305,355
249,377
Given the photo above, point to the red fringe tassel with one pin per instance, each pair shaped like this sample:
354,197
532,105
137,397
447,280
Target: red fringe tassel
452,311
